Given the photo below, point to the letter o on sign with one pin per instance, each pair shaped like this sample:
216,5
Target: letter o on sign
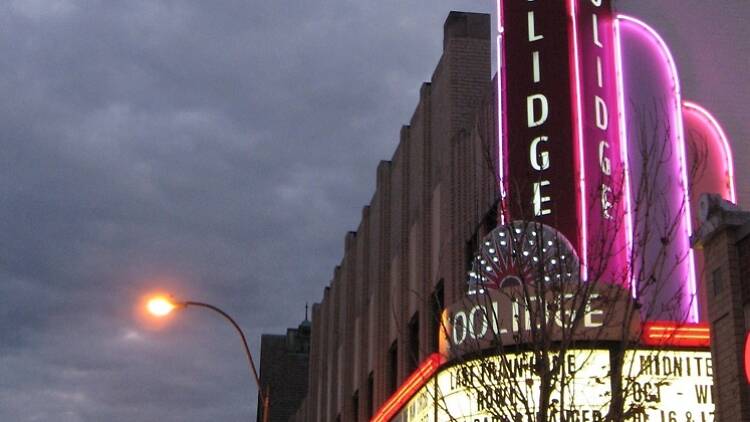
459,337
473,322
747,357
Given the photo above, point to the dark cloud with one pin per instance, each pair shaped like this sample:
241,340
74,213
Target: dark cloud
218,150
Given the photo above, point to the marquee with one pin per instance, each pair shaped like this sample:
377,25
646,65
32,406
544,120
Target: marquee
660,385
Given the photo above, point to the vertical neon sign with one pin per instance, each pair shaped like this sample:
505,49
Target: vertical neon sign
537,133
704,134
657,166
501,141
602,172
560,158
612,179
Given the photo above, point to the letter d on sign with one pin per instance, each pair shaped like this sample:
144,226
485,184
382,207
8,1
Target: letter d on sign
531,120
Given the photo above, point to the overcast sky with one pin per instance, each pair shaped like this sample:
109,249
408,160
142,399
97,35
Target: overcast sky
219,150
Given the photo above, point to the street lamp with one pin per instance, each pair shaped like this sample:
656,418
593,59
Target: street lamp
161,306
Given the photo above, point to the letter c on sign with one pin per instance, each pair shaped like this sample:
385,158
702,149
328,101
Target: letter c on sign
747,357
459,338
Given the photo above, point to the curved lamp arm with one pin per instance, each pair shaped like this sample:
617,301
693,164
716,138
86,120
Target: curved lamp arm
263,394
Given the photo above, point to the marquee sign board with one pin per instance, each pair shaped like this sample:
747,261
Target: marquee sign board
660,386
503,318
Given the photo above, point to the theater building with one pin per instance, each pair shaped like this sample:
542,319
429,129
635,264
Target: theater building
523,189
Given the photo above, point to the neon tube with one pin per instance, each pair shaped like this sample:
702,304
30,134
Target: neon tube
411,385
624,155
728,157
500,117
680,141
578,133
670,333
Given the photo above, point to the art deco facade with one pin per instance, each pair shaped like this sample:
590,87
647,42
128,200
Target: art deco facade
409,255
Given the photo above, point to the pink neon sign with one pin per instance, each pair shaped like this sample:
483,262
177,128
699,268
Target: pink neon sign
657,166
706,136
501,146
559,156
558,126
601,168
605,125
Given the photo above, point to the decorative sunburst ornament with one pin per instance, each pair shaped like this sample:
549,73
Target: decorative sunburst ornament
522,252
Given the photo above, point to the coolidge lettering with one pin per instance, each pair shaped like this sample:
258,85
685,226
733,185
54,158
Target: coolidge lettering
537,112
538,116
598,139
498,320
601,116
508,315
562,147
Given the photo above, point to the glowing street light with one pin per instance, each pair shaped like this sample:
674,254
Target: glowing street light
160,306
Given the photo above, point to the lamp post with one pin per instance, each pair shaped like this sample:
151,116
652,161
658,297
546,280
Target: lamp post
161,306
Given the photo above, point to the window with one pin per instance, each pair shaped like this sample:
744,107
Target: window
393,368
355,406
488,223
470,250
370,396
717,281
490,220
436,310
413,358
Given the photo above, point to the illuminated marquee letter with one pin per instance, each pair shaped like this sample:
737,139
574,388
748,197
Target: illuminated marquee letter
472,322
606,203
534,155
601,113
595,22
539,200
544,110
592,317
532,33
604,162
459,326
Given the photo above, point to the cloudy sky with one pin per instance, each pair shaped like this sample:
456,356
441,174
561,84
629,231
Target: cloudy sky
219,151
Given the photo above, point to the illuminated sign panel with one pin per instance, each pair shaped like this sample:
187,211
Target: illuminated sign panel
539,133
672,386
505,317
657,163
585,100
664,385
596,111
560,133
